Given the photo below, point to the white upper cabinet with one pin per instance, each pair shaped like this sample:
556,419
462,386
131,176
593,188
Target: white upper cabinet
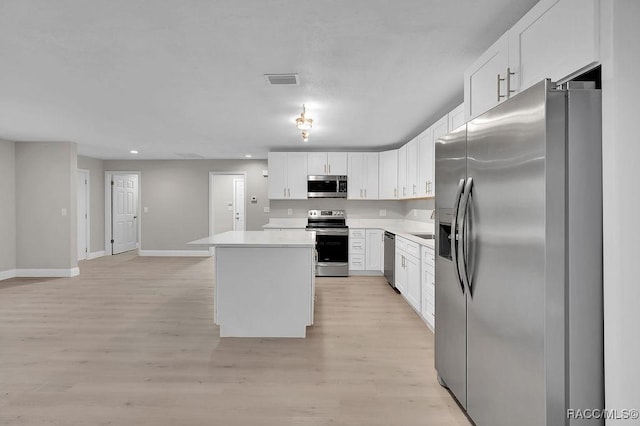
484,82
426,163
556,39
287,175
456,117
388,175
327,163
362,175
412,168
402,172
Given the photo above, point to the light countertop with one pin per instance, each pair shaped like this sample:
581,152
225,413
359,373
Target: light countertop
399,227
286,238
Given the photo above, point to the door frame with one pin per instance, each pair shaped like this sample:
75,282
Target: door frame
87,209
211,198
108,176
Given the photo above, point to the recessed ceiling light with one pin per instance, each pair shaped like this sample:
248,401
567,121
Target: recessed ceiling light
247,156
133,151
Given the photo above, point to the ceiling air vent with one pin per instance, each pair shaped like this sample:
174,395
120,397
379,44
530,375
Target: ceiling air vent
282,79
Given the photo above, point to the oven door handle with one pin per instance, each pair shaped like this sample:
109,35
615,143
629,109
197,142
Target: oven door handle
330,231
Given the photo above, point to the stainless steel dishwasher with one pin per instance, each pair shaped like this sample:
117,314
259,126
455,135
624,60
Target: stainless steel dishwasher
390,258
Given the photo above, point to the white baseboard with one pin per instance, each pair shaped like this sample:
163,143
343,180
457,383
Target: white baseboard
95,255
47,273
175,253
5,275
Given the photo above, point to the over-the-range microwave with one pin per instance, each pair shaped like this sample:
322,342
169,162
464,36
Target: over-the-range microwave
326,186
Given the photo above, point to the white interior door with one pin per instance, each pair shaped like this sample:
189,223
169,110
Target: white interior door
124,214
238,205
83,214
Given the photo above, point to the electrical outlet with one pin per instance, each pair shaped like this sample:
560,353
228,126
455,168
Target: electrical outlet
289,212
265,209
383,212
415,212
63,211
145,209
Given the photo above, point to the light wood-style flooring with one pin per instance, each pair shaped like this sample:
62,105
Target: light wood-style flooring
131,341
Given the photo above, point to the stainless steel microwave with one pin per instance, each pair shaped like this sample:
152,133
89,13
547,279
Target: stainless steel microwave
327,186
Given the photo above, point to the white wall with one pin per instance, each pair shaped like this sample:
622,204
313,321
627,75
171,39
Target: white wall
621,203
7,208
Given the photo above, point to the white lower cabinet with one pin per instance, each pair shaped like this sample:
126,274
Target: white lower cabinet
366,250
407,272
428,287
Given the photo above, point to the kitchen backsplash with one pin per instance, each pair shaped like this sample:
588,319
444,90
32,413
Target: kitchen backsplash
418,210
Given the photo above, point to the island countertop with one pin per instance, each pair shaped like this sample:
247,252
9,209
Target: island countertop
284,238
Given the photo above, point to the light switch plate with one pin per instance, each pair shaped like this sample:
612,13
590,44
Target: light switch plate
145,209
266,209
383,212
415,212
63,211
289,212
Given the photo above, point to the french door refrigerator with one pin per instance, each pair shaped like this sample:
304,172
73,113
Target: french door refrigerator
519,338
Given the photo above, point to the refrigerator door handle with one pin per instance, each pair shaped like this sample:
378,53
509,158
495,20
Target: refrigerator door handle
463,211
454,233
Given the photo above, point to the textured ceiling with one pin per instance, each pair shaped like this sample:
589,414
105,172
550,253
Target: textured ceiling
176,78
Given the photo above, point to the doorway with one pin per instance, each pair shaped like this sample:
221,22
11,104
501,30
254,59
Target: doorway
121,212
227,202
83,214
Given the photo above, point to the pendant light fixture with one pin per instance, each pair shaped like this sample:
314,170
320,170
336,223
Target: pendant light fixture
303,123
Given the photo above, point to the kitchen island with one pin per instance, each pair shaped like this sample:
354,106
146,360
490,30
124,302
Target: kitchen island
264,282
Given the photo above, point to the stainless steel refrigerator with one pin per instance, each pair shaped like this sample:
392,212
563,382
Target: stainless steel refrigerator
519,337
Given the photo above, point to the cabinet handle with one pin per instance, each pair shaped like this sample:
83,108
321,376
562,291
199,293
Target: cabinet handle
284,192
325,168
395,192
414,189
508,78
404,191
498,85
329,168
426,186
289,192
365,193
360,192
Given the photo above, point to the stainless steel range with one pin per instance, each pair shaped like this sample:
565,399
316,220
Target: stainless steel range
332,242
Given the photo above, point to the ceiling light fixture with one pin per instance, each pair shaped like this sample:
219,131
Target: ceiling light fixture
303,123
247,156
133,151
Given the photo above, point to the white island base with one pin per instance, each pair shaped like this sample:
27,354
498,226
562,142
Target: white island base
264,282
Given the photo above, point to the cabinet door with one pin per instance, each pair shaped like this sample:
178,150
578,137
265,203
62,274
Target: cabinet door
414,282
317,163
370,175
402,172
555,39
337,163
388,175
355,175
297,175
425,163
456,117
440,128
482,88
400,273
374,250
412,168
277,180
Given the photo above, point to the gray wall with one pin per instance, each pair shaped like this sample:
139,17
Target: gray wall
45,184
176,193
7,206
96,201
